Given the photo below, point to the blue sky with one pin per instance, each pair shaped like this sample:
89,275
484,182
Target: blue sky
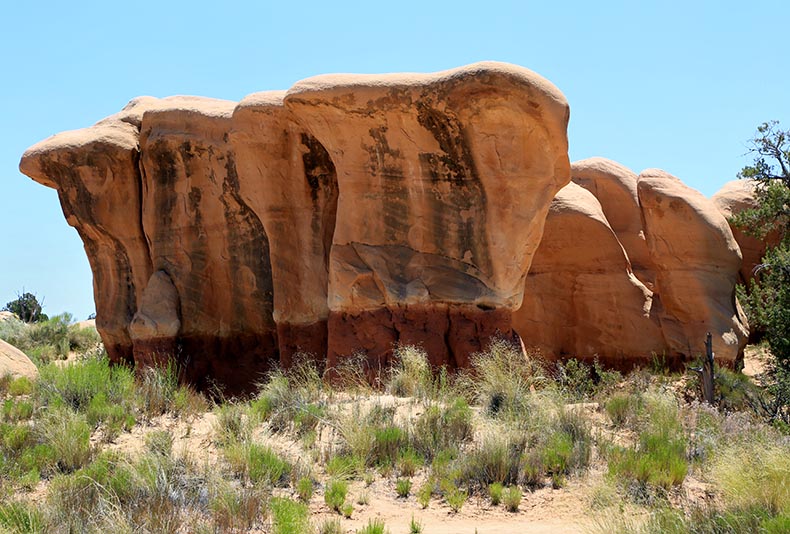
676,85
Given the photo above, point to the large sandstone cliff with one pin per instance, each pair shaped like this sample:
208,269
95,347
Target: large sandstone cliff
355,212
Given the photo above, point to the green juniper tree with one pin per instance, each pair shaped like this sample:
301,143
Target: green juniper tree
27,307
767,302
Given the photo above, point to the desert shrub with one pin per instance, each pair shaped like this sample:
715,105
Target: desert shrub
403,487
442,427
754,475
501,379
159,442
289,517
700,520
411,376
16,410
415,526
104,393
512,498
68,435
659,458
234,423
157,388
374,526
82,340
237,509
344,466
292,399
495,493
20,386
257,463
347,510
21,518
408,462
304,488
425,492
455,497
335,494
330,526
387,443
622,408
581,381
497,458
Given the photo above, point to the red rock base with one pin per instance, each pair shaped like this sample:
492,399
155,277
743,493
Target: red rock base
230,365
448,334
308,340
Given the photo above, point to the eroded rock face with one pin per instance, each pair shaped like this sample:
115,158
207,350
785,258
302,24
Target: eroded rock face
697,261
97,176
733,198
352,213
289,181
581,297
15,363
614,185
444,183
208,240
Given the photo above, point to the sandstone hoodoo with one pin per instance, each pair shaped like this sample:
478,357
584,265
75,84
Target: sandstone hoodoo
581,297
696,261
584,298
354,212
444,184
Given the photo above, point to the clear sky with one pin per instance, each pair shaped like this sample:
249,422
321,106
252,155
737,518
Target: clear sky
677,85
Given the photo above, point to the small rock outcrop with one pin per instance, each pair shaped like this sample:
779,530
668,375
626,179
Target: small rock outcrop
15,363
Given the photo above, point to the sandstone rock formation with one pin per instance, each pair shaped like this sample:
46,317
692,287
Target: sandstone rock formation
733,198
15,363
614,185
96,174
697,261
354,212
289,181
444,183
581,298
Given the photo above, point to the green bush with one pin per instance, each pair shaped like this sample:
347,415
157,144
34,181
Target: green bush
91,386
335,494
304,488
502,378
289,517
21,518
659,458
622,408
374,526
68,435
408,462
257,463
512,498
403,487
441,428
330,526
495,493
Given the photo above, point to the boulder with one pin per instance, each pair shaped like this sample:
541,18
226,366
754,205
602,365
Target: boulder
581,298
696,261
444,182
15,363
